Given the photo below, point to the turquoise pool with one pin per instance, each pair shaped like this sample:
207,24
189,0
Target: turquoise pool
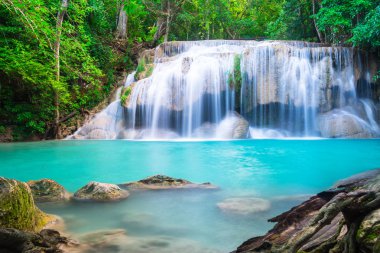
279,171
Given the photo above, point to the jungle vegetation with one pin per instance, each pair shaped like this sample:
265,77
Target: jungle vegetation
59,58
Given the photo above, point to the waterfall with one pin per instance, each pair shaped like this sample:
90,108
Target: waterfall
285,85
241,89
107,123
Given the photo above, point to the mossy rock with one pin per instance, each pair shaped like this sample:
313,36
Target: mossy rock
17,208
125,94
145,64
47,190
368,233
144,70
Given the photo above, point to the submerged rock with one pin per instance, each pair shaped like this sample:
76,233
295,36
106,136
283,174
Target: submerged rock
344,219
117,241
241,205
48,240
100,192
47,190
161,182
17,208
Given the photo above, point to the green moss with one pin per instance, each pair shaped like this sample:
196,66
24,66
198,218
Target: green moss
140,68
144,69
235,80
368,235
125,94
17,208
149,70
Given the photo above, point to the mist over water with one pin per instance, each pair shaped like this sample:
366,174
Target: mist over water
274,174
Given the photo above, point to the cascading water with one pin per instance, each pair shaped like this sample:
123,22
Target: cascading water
240,89
108,123
187,93
286,85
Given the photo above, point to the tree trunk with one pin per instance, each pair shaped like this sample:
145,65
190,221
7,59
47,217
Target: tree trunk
320,36
122,23
160,30
167,27
57,44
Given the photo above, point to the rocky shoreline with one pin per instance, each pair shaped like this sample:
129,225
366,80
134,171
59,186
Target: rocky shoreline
345,218
25,228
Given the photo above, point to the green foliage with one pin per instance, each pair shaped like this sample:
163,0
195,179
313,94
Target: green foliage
140,67
235,79
91,56
27,63
125,95
337,18
237,73
367,33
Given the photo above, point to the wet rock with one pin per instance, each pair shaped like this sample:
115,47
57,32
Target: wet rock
145,64
47,190
368,233
161,182
234,126
338,124
244,205
96,191
241,129
343,219
17,208
97,134
186,64
48,240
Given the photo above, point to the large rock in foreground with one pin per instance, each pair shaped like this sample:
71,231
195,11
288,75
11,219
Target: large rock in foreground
161,182
344,219
48,240
96,191
17,208
47,190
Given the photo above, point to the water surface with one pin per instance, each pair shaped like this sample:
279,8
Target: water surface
280,171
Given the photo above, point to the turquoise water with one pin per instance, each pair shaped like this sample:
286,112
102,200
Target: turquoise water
280,171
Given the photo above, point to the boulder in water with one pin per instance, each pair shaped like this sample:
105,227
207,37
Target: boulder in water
342,219
161,182
47,190
17,208
96,191
234,126
341,124
244,205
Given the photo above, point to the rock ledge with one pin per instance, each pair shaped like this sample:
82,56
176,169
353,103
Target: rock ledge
344,219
